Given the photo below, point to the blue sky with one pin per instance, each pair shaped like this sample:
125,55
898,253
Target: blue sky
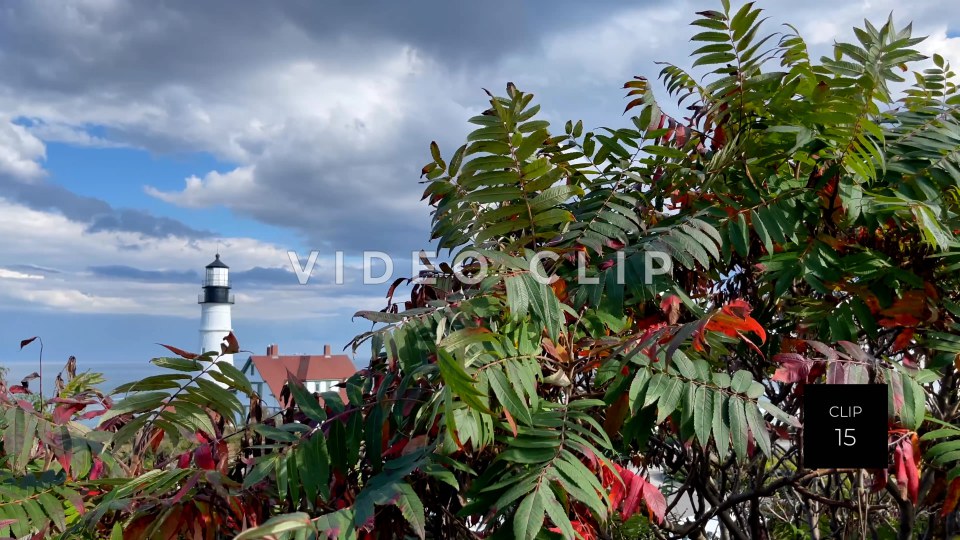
137,136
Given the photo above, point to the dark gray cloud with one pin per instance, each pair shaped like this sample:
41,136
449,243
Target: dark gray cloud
327,108
178,75
32,269
129,46
263,276
98,214
253,277
152,276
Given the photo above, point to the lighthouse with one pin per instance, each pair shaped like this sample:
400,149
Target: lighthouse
215,305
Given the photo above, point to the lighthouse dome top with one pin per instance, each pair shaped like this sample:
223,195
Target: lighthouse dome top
217,263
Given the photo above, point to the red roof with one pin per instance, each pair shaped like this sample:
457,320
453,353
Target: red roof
276,369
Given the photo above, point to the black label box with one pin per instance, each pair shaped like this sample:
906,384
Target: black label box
845,426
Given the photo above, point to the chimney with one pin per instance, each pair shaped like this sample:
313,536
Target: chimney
326,351
273,350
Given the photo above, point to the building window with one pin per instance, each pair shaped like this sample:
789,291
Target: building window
326,385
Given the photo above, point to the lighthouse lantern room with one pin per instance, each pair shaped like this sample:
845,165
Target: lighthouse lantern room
215,305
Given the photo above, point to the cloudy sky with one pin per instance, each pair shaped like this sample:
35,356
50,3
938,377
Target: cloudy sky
137,136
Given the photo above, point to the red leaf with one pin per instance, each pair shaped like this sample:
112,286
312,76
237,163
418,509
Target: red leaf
26,342
913,475
837,373
655,501
879,480
793,368
511,421
156,438
953,495
905,467
680,136
184,460
896,384
66,409
92,414
634,486
203,456
179,352
396,448
416,443
97,470
670,306
186,488
827,352
719,138
613,482
616,414
231,346
559,287
903,339
17,389
732,319
64,458
635,103
584,530
223,456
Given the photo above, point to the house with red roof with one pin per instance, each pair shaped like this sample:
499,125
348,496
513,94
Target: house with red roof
319,373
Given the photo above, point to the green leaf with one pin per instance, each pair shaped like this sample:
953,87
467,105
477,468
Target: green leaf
637,385
304,399
658,384
940,433
545,305
528,519
758,426
738,427
154,382
54,510
235,377
762,232
740,236
178,364
669,399
742,380
277,525
135,403
711,37
261,469
530,144
553,196
779,414
556,512
506,395
461,384
914,403
721,434
518,299
703,414
411,507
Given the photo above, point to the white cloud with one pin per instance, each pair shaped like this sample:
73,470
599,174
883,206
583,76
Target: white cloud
20,152
13,274
324,131
214,188
48,240
939,43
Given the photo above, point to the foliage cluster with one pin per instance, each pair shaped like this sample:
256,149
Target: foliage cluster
812,220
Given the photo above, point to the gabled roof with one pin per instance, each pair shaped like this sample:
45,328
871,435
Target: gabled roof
275,369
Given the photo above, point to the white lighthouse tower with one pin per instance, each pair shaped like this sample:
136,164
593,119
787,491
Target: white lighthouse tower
215,304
